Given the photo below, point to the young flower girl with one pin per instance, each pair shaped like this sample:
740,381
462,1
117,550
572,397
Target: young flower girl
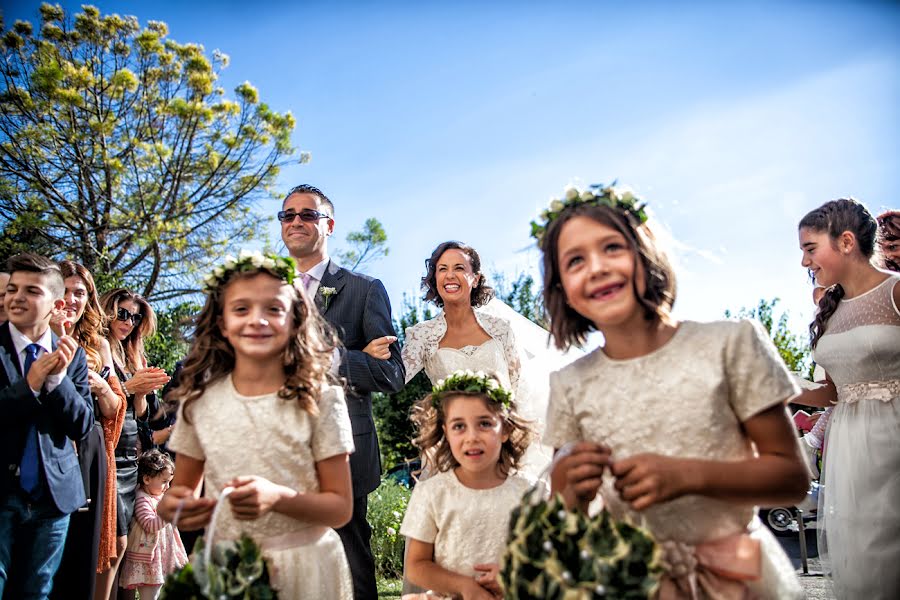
681,426
154,547
457,520
259,415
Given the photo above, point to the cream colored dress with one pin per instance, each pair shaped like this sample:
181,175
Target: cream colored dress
466,526
859,510
686,399
266,436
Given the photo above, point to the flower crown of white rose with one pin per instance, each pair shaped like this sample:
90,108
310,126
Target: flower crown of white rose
282,267
621,198
472,382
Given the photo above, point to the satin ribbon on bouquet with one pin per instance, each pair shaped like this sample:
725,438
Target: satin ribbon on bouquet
718,568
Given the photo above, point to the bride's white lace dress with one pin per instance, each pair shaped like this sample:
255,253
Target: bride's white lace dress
499,356
859,512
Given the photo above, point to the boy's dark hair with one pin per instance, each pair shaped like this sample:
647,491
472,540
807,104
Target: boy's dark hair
153,462
567,326
481,293
34,263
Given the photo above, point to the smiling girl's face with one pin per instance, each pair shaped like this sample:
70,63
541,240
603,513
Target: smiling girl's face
597,271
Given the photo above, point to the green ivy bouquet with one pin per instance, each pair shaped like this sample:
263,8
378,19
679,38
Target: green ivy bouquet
234,569
556,553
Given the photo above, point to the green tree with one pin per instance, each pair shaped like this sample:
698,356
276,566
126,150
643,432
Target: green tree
170,343
794,349
365,246
524,295
125,154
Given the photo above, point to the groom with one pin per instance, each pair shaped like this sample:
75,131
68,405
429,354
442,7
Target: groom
357,306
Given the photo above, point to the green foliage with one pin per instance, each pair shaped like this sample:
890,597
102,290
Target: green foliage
366,246
391,411
794,349
119,149
170,343
389,587
524,295
237,570
553,552
387,505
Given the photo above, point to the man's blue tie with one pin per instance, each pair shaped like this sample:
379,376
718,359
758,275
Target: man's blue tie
29,468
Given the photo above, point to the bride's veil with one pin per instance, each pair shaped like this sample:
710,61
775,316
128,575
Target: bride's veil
539,358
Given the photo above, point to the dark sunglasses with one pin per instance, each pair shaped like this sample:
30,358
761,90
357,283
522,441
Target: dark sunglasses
124,315
307,215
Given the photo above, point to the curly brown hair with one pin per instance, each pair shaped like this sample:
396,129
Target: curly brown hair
306,358
889,234
567,326
153,462
129,353
834,218
428,415
481,293
90,329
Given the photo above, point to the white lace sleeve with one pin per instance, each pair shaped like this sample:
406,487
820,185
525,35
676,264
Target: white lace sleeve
419,522
508,339
332,434
562,426
184,439
413,352
499,328
757,376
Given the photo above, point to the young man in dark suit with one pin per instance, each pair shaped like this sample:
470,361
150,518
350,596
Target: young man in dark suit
357,306
46,405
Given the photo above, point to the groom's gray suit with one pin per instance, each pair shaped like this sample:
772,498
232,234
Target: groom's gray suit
360,312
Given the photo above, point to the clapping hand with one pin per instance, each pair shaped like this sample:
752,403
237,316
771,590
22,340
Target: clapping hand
60,323
52,363
380,348
147,380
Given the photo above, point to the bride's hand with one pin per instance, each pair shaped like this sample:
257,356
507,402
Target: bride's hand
380,348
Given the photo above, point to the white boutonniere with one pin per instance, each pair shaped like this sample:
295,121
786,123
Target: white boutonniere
327,293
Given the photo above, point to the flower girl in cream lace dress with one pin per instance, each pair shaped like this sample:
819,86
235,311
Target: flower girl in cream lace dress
680,426
257,415
457,520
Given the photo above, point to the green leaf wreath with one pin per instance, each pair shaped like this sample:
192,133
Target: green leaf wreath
237,569
556,553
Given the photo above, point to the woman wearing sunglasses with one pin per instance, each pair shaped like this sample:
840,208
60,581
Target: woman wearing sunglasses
130,320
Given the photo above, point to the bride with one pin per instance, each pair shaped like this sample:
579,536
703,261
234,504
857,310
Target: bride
469,333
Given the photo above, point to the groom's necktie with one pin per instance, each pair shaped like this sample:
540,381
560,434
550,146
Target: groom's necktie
29,468
306,278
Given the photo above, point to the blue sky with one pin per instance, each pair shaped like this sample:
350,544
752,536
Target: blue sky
460,120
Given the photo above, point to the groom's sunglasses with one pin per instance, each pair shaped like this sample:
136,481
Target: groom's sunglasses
306,215
124,315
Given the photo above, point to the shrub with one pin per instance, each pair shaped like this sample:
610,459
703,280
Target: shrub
387,505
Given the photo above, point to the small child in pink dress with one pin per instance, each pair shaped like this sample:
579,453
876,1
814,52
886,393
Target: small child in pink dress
154,547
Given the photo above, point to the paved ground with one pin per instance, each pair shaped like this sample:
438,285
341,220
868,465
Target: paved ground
813,581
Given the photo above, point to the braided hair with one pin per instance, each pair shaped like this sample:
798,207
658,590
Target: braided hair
834,218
